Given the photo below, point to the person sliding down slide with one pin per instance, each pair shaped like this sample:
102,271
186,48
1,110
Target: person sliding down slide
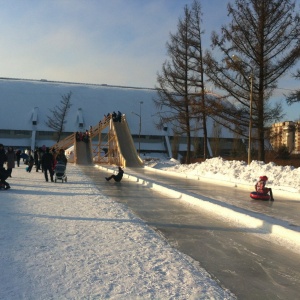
117,177
260,187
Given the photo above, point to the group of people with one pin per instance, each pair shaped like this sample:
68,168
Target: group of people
83,136
5,173
116,117
47,160
43,158
9,158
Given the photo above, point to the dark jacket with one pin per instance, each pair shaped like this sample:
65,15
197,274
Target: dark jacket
3,157
119,176
47,160
61,157
4,174
11,158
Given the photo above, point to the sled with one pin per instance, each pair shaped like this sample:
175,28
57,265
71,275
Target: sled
260,196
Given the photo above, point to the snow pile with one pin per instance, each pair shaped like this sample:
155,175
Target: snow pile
285,178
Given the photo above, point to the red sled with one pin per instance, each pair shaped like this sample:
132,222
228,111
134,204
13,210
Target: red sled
259,196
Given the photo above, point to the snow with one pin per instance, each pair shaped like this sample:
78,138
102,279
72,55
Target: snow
280,178
68,241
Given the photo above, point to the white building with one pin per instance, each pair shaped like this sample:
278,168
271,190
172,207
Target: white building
25,105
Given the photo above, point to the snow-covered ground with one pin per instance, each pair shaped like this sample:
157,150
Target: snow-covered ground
67,241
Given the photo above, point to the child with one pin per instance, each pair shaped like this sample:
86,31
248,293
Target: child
260,187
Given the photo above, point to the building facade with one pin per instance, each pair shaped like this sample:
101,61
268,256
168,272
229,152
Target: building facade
27,104
286,134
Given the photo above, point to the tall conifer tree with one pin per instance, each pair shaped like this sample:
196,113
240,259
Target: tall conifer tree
262,42
180,81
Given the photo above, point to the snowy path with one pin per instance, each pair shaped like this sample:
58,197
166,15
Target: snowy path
67,241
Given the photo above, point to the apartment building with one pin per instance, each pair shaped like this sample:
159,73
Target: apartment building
286,134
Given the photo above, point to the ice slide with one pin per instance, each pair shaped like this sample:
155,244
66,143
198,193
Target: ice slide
126,144
83,153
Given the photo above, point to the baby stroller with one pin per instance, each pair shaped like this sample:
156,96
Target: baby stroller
60,172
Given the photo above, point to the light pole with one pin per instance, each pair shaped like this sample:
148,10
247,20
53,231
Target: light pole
140,124
237,59
250,118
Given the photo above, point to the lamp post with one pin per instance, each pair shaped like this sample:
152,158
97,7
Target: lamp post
237,59
140,124
250,118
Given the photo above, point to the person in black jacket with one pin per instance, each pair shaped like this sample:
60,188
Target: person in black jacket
18,157
117,177
61,157
3,157
48,164
4,174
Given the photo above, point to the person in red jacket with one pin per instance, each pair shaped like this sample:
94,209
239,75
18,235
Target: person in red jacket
260,187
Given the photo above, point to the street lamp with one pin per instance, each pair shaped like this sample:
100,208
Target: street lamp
140,124
237,59
250,118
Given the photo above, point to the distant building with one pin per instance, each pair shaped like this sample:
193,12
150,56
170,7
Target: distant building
26,105
286,134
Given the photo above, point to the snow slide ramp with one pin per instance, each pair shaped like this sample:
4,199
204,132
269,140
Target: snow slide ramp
126,144
83,153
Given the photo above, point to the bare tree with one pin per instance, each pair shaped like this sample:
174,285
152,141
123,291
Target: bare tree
264,36
58,118
180,81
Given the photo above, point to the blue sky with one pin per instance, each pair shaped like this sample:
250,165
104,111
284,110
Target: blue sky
118,42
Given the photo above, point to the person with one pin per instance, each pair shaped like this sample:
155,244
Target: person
40,155
260,187
77,136
117,177
86,136
36,159
3,157
119,116
61,157
30,163
18,156
114,116
4,174
48,164
11,158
